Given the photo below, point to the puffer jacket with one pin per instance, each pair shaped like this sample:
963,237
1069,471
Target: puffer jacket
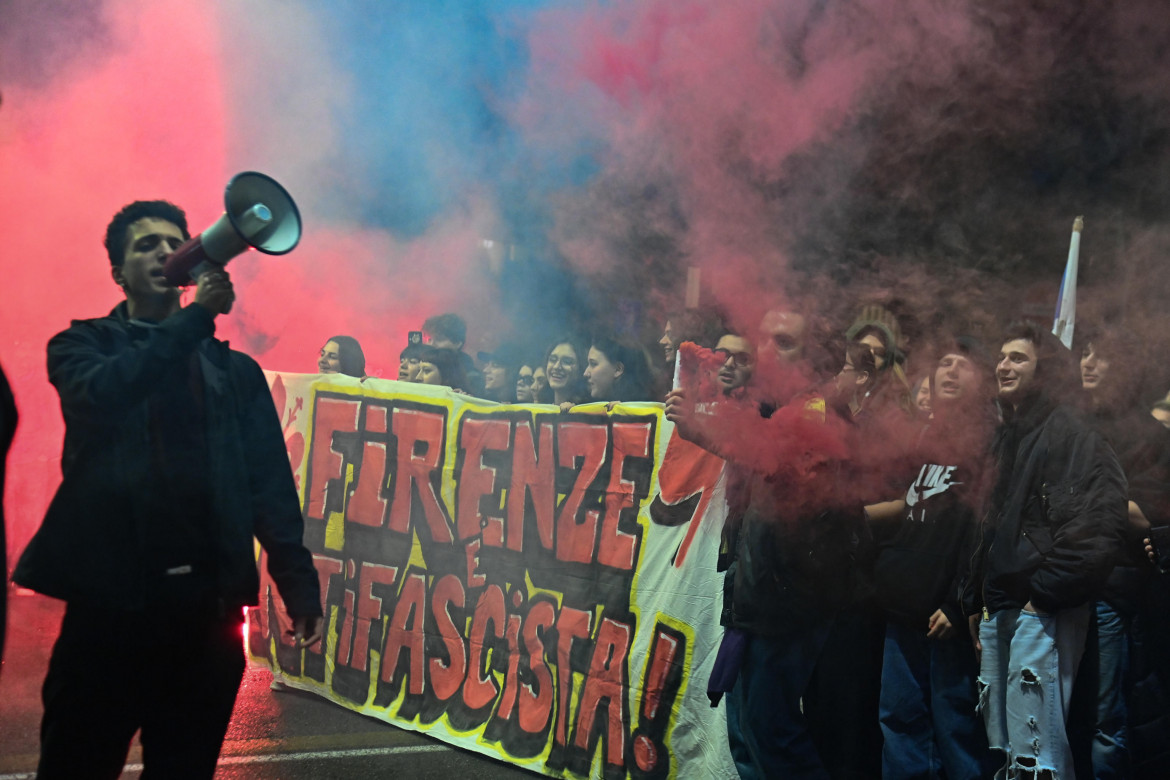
1058,515
91,546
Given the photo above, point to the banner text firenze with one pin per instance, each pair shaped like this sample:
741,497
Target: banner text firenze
479,570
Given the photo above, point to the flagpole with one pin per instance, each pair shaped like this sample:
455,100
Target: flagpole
1066,304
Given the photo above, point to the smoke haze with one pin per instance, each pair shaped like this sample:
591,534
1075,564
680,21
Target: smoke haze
924,155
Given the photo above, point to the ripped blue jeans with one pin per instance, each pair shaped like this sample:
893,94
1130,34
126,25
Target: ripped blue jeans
1025,682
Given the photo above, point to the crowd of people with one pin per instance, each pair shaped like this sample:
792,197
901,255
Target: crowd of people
573,370
956,576
937,565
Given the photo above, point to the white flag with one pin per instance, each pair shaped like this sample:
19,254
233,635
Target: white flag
1066,304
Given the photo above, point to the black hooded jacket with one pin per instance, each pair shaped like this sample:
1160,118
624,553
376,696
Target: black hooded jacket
112,511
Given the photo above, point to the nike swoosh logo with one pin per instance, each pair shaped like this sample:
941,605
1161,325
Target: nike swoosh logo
934,491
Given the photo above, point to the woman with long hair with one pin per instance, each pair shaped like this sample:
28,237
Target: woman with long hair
617,371
342,355
564,366
440,367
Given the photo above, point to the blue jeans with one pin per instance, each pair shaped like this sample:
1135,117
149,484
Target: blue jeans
765,726
1025,682
1110,754
928,708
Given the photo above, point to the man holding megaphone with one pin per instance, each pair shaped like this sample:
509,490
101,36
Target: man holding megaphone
173,461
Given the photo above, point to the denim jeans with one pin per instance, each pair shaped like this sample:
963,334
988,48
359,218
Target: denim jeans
928,708
765,726
1110,754
1025,681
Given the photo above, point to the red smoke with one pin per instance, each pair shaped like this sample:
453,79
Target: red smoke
146,121
705,101
166,104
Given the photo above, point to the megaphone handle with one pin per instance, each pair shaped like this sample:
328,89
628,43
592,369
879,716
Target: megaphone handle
214,291
203,268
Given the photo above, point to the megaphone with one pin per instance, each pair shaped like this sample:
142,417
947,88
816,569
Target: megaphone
258,213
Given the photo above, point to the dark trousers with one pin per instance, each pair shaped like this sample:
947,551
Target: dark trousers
842,702
171,673
765,727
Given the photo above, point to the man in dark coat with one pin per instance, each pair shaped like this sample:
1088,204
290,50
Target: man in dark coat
1122,682
1058,517
173,461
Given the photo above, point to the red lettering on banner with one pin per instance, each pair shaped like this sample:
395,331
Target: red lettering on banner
533,474
368,503
345,636
330,416
665,649
384,463
664,672
687,477
572,624
409,609
474,578
447,677
480,689
413,428
326,568
536,707
618,548
512,677
369,607
606,680
475,481
268,590
576,541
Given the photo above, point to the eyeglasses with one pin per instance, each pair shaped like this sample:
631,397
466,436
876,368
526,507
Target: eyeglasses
740,359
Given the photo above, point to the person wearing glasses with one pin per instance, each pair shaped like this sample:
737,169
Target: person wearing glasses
739,361
564,367
786,541
524,384
855,378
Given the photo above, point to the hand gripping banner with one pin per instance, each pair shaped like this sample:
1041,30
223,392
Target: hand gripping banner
536,586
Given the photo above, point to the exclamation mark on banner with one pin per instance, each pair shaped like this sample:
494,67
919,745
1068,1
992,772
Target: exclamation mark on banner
661,682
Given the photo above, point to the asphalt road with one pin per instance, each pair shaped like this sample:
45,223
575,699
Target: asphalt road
288,735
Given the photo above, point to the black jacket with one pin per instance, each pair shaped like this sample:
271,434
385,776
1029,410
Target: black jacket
1143,449
92,544
1058,514
794,542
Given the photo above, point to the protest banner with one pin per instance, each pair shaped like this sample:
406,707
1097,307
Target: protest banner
536,586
